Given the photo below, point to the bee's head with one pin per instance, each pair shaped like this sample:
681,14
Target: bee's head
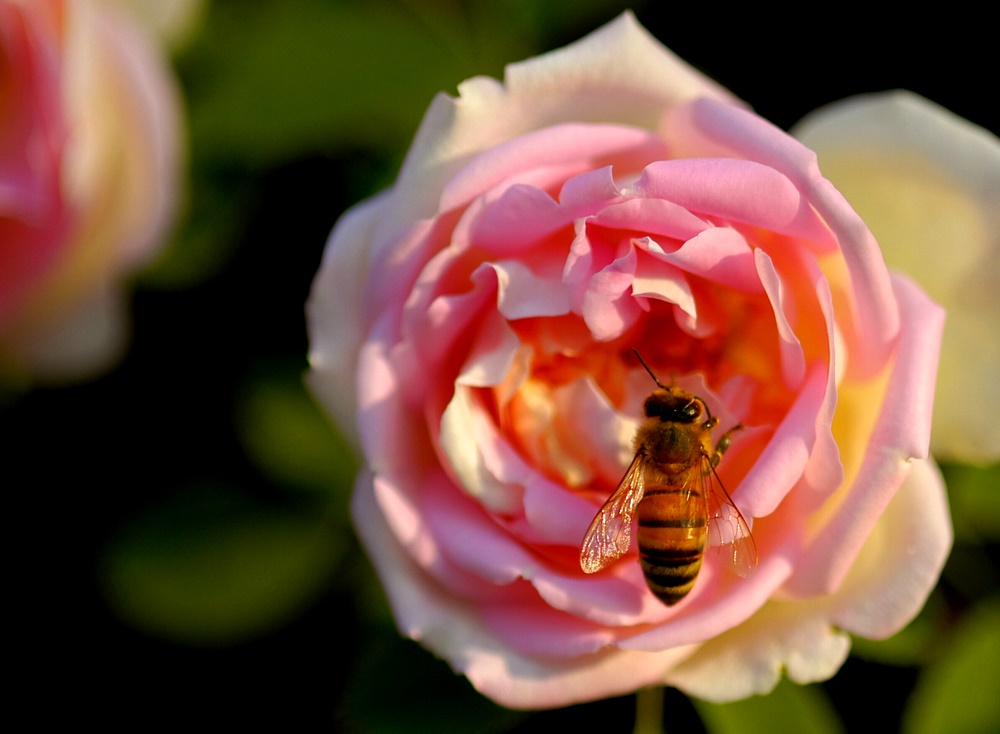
672,403
675,405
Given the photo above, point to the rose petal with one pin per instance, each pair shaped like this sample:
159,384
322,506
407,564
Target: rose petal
401,515
655,278
532,628
607,442
389,432
656,217
589,192
793,362
608,307
84,342
436,324
791,637
581,147
335,341
108,52
492,356
900,434
732,190
708,612
463,431
783,461
902,558
523,292
518,220
720,255
552,515
465,534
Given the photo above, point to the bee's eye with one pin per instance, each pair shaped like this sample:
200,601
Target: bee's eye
655,410
659,406
673,408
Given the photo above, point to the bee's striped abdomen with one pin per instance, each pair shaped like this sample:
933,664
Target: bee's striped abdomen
672,533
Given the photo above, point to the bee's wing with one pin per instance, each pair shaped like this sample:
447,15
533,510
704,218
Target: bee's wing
728,531
610,534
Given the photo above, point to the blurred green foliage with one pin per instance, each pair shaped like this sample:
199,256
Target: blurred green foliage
291,442
211,566
957,691
789,709
269,80
975,502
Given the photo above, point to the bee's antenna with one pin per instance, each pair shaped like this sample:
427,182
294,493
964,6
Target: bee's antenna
658,383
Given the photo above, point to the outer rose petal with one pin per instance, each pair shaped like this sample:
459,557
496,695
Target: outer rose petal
336,291
928,184
794,637
901,560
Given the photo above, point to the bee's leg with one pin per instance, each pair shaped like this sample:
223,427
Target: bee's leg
723,443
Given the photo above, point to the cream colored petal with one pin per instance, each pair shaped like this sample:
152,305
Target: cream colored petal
900,561
463,429
794,638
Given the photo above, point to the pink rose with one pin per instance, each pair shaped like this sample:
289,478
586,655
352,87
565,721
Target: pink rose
473,327
89,163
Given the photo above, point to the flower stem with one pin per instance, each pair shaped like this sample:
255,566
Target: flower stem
649,711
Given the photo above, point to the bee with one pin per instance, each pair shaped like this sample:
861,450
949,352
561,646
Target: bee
672,488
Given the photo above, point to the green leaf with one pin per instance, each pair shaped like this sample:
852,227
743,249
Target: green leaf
212,567
273,78
208,232
975,501
399,687
268,79
789,708
959,691
289,439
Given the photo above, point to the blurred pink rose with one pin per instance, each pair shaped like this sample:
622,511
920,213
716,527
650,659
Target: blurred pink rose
89,163
472,326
